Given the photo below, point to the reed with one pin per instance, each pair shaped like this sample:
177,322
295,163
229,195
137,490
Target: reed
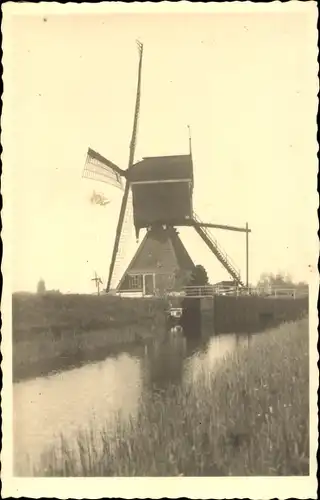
251,417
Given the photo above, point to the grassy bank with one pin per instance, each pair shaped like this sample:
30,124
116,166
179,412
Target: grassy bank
54,331
251,418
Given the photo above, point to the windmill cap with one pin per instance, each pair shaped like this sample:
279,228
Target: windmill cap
162,167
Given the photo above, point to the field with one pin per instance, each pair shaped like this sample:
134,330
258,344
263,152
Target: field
249,418
55,331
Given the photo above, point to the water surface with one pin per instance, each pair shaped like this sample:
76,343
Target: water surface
90,395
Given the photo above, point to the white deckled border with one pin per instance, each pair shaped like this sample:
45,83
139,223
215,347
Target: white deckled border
246,487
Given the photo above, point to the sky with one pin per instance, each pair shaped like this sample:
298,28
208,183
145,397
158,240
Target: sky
246,83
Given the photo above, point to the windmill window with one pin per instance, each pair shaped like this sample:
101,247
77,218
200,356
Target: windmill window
135,282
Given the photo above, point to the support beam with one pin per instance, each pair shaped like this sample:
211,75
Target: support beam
220,255
247,256
223,226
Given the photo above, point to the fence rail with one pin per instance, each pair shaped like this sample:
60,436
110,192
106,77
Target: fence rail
212,290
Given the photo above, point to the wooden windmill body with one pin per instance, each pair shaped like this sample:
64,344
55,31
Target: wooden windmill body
160,190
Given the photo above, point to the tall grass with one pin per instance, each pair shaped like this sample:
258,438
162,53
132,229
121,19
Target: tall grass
251,417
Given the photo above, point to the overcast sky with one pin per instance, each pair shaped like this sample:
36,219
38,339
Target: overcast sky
246,83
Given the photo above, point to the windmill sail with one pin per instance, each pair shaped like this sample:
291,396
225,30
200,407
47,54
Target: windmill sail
130,163
127,239
99,168
137,109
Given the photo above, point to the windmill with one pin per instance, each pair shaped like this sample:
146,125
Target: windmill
98,282
158,192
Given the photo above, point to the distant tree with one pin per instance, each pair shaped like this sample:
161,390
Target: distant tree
279,280
41,288
199,276
181,278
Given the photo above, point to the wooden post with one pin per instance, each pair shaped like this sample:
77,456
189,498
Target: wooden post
247,256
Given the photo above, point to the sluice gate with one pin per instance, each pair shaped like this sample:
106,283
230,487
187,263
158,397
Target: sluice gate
240,313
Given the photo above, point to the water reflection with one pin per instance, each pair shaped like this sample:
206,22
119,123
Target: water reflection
208,358
73,400
163,363
46,407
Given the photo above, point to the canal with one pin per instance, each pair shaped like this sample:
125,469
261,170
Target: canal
88,397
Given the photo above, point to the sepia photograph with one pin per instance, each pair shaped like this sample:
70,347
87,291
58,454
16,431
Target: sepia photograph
159,309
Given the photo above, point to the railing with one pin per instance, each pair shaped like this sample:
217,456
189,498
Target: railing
212,290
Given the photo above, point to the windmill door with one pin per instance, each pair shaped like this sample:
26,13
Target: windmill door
148,284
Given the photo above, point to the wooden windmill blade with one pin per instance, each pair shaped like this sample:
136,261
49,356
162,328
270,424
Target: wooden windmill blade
130,163
98,168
